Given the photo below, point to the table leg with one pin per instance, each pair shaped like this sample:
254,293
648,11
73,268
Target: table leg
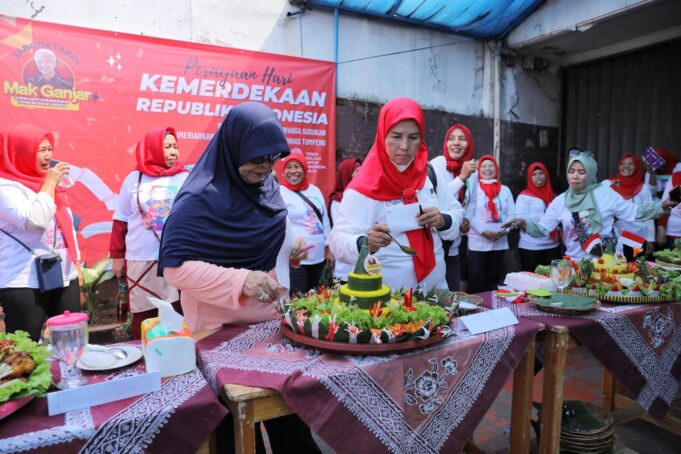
609,390
555,352
521,409
244,428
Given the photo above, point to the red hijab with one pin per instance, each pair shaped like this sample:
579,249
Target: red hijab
491,190
454,165
544,193
299,158
379,179
18,162
628,187
343,178
670,161
150,156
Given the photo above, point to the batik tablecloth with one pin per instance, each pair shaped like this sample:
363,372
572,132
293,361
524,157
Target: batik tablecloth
178,418
424,401
638,344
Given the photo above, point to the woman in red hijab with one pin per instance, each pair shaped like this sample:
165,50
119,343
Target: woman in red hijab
143,205
457,165
309,221
346,171
531,204
392,193
34,214
487,240
629,183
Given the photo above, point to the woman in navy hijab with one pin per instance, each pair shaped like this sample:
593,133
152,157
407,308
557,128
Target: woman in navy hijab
227,232
227,228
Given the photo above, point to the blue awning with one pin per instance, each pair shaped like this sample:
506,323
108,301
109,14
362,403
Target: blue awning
489,19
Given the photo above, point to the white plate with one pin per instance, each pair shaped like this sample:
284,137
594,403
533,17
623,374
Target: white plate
134,354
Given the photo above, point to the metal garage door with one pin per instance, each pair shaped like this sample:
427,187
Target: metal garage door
622,104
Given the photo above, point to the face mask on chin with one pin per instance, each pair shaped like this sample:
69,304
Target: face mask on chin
402,167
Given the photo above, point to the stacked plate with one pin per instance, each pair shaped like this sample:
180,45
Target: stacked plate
585,429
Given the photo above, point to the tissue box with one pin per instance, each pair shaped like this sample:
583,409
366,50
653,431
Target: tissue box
170,353
528,281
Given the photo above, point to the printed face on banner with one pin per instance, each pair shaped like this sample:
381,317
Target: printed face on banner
99,92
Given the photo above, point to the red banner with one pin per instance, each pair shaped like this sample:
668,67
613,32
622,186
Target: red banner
100,91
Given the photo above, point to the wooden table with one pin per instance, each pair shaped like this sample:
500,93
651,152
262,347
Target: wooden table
250,405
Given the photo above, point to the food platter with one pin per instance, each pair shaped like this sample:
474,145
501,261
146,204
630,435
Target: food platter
344,348
675,266
468,298
620,299
9,407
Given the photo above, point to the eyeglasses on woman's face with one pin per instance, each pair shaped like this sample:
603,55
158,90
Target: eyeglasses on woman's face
269,158
576,152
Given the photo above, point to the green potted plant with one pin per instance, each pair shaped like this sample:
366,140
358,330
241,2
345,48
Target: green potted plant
93,277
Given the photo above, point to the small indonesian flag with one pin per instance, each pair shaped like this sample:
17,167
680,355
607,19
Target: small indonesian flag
632,240
591,242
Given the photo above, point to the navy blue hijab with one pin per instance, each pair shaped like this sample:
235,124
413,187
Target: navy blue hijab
217,217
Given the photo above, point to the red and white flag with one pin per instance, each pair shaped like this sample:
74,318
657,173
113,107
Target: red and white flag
591,242
632,240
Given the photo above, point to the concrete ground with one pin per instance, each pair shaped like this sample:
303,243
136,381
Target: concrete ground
582,382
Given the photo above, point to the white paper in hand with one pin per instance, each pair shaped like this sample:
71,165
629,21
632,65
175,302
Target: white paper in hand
171,320
402,218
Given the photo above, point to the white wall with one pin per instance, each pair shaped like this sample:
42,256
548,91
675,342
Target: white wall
377,59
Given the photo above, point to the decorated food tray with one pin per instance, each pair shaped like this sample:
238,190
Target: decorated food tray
366,316
612,278
408,320
344,348
565,304
612,298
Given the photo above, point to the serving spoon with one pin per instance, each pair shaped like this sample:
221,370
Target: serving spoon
117,352
406,249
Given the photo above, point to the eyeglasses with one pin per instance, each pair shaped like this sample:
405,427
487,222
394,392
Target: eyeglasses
576,152
261,160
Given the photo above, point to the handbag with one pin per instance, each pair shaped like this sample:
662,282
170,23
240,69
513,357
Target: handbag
48,267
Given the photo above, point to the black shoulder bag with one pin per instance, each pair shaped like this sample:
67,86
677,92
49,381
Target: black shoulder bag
446,244
312,205
48,266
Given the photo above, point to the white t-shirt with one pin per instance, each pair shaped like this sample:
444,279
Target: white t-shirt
532,208
358,213
305,222
674,223
660,183
646,229
156,195
17,268
341,268
481,220
610,204
455,184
